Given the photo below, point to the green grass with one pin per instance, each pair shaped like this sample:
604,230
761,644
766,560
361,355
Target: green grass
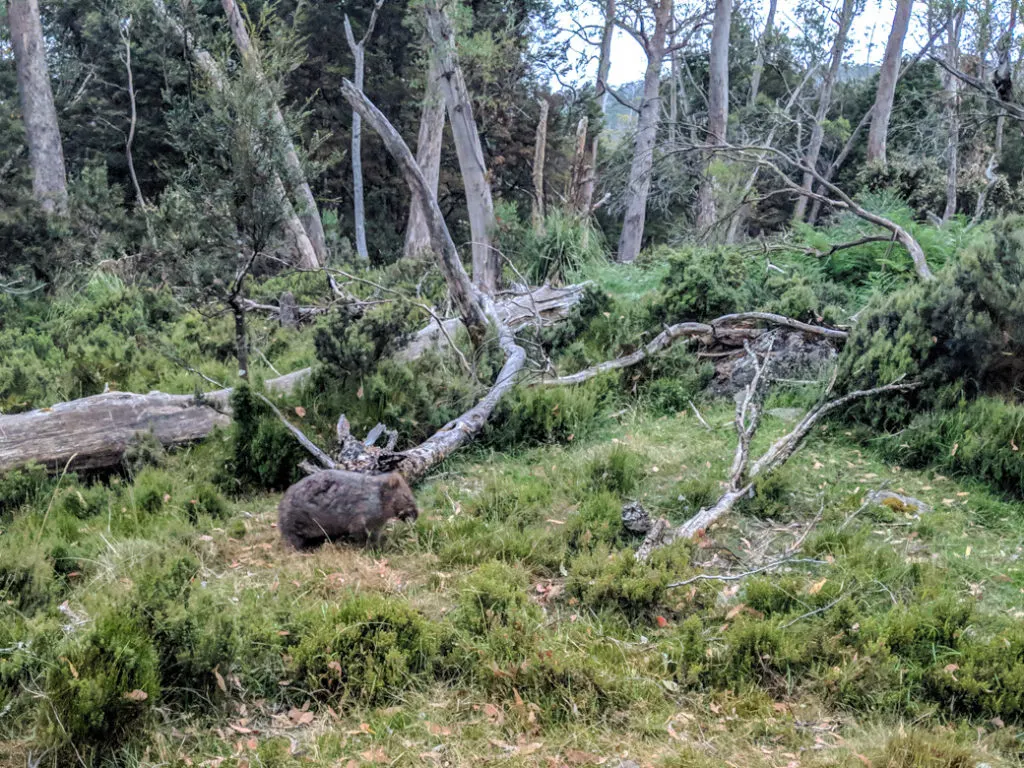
510,624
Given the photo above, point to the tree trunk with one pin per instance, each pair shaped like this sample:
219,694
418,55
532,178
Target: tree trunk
46,156
309,212
576,186
359,54
951,92
539,150
604,63
762,44
486,260
428,158
718,110
887,76
241,339
646,133
824,102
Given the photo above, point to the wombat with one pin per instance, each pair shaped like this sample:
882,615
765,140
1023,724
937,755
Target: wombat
335,505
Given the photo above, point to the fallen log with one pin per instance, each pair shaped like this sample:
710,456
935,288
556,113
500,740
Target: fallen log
93,433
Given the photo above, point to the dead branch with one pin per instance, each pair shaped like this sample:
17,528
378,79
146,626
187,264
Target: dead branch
839,200
720,330
742,479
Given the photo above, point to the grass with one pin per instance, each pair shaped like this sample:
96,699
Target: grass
505,631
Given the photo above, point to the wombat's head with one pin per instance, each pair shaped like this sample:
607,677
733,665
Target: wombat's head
397,498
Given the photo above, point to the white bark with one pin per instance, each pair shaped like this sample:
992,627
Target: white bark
604,62
486,260
718,110
824,102
882,111
762,44
639,186
951,93
358,49
428,158
46,156
539,151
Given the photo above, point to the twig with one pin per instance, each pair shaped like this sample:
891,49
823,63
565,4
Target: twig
738,576
699,417
815,612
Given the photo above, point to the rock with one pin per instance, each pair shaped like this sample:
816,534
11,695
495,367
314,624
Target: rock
635,518
897,502
794,355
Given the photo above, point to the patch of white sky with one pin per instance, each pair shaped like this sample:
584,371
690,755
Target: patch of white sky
867,40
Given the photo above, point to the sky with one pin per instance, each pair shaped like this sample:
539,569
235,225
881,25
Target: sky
869,33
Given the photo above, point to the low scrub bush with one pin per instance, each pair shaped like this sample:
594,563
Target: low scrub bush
959,335
619,470
493,607
370,649
104,687
607,580
980,439
532,415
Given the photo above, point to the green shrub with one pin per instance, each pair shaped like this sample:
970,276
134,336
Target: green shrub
27,579
603,579
958,335
564,245
598,521
20,487
369,649
153,489
531,415
980,439
104,687
518,499
704,283
82,501
266,454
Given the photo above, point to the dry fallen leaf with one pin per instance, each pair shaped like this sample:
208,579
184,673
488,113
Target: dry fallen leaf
815,588
735,611
220,679
136,695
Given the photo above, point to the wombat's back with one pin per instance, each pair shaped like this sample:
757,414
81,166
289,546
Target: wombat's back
333,504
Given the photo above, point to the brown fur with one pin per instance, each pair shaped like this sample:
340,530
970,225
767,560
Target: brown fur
335,505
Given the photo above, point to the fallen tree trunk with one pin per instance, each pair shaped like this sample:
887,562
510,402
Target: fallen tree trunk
93,433
722,330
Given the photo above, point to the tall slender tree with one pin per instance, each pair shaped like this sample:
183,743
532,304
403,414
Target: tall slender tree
646,132
358,48
762,46
428,158
486,260
46,155
718,109
882,111
951,107
828,82
604,63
